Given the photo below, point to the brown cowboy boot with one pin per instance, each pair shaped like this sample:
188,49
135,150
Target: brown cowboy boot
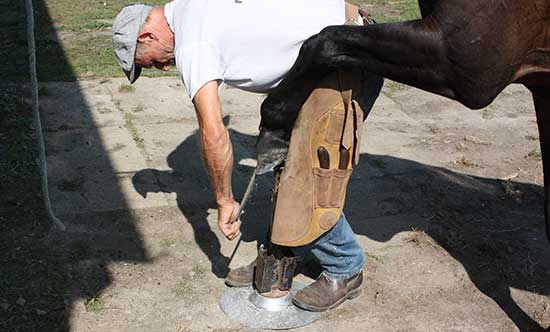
242,276
325,293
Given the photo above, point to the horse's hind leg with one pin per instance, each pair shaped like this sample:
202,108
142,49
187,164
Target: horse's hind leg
505,301
541,97
409,52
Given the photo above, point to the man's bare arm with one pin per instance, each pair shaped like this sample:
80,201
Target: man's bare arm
217,153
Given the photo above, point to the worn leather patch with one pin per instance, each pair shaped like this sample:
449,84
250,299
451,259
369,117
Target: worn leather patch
335,125
328,220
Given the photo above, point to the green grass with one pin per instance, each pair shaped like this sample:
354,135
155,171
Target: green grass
167,243
377,258
534,155
94,304
83,15
395,87
73,40
13,41
89,52
125,88
198,271
129,124
183,288
386,11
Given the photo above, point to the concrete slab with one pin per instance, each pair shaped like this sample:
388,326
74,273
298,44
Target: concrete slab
152,100
154,135
63,109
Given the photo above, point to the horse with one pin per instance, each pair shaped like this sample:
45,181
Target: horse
466,50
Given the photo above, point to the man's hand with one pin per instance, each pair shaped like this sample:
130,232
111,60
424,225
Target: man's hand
228,220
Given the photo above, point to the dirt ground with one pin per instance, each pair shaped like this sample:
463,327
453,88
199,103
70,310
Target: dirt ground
447,203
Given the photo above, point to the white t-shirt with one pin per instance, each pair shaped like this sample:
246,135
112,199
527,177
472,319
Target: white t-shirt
248,44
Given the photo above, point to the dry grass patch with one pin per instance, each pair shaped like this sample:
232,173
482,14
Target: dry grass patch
126,88
534,155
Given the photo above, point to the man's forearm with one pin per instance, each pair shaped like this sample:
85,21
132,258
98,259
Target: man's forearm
217,153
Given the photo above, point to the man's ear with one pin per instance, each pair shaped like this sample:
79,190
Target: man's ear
146,37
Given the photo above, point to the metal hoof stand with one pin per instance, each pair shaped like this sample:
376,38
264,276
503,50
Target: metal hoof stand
253,310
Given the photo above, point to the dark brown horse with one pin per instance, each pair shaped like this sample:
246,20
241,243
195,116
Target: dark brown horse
467,50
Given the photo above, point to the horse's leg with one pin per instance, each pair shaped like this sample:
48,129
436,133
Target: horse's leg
410,52
520,318
541,97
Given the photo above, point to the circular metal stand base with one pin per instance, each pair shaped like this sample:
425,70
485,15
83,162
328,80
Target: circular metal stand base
253,310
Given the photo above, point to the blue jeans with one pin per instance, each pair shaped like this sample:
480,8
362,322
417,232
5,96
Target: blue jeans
338,251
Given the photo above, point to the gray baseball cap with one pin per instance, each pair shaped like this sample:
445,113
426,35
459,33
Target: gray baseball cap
126,28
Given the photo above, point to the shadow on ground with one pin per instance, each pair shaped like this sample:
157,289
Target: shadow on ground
188,180
493,228
43,273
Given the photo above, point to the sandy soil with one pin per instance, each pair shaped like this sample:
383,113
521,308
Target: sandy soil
447,203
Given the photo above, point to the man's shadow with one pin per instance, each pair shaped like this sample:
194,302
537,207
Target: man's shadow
189,180
494,228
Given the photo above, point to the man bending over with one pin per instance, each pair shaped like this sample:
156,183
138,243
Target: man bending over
250,45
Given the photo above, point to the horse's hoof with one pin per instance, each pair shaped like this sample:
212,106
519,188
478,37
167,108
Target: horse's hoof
268,162
272,148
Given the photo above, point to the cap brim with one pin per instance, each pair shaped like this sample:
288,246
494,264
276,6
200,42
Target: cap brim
133,75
